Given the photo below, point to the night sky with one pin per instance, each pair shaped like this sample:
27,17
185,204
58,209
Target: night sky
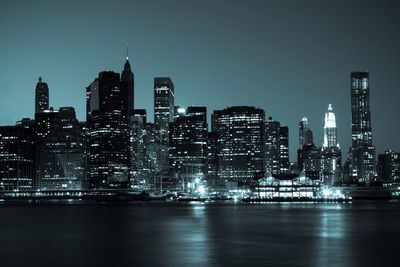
291,58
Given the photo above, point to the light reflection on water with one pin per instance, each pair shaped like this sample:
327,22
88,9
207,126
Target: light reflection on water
198,234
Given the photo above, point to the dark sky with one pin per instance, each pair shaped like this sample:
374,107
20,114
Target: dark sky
291,58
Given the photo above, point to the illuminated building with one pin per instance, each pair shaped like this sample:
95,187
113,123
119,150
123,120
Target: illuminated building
138,143
107,132
17,158
310,161
188,146
276,147
41,96
44,121
331,154
163,116
363,151
305,134
240,142
61,164
389,166
212,160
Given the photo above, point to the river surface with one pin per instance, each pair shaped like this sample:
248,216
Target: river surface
82,233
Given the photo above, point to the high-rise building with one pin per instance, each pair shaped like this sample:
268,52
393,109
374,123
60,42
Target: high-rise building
212,161
331,154
163,116
127,78
41,96
272,146
310,161
61,163
138,144
107,132
389,166
305,134
17,158
240,142
188,146
363,151
284,163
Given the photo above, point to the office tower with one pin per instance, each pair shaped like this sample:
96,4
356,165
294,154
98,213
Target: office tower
331,154
44,121
127,78
61,164
138,144
41,96
163,116
310,161
240,142
363,151
188,146
272,146
153,155
284,163
212,161
305,134
107,132
389,166
17,158
163,107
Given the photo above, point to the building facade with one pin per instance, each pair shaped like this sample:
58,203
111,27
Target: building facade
41,96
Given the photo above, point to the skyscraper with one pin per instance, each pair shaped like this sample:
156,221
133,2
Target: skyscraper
240,142
331,154
163,116
127,78
272,146
107,132
363,151
188,146
138,144
284,163
305,134
41,96
389,166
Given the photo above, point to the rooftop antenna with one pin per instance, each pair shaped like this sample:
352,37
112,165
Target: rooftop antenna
127,52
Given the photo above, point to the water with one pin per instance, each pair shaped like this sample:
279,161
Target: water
80,233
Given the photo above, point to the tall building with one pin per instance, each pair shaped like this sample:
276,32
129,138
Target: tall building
330,131
363,151
305,134
284,163
17,158
188,146
138,144
389,166
240,142
41,96
310,161
272,146
127,78
163,116
212,161
61,163
107,132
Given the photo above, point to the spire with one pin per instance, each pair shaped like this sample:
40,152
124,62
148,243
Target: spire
127,52
40,79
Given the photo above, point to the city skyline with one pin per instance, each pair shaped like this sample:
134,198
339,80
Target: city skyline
287,86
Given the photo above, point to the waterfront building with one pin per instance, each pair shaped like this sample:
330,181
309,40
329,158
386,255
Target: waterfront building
331,154
212,161
107,132
363,151
17,158
240,143
188,146
272,146
61,162
310,161
41,96
389,166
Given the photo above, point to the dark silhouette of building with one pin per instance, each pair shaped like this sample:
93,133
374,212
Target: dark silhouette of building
188,146
305,134
310,161
284,163
128,81
363,151
212,161
41,96
240,142
276,147
61,164
17,158
389,166
107,133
